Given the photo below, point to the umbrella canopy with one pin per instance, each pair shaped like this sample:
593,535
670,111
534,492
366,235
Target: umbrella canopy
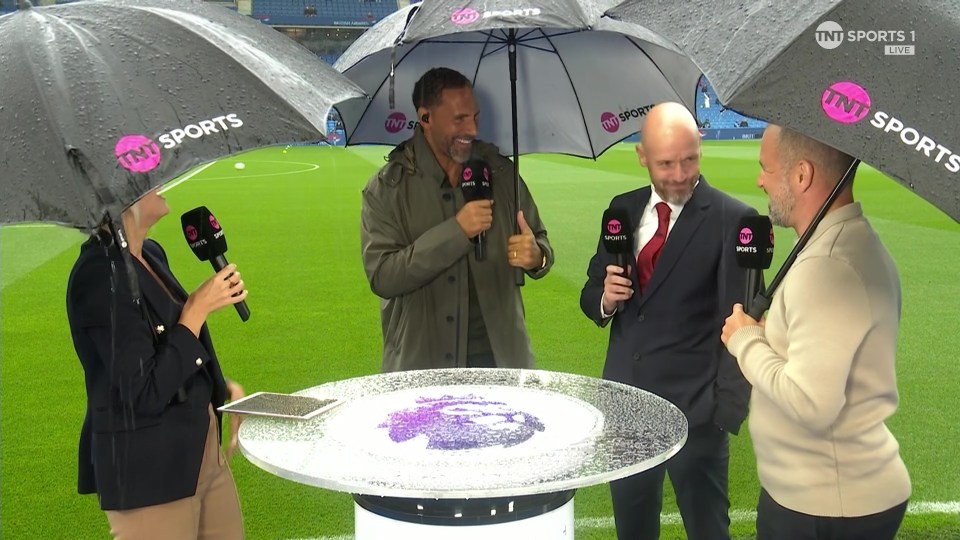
105,100
582,83
877,80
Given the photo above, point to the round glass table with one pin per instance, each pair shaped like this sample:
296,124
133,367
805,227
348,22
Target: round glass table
485,451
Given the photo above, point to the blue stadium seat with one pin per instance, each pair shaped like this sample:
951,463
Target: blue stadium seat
328,12
718,117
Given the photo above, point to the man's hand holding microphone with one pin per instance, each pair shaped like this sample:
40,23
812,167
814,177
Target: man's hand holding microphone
476,217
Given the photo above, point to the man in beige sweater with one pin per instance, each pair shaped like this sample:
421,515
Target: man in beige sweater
822,362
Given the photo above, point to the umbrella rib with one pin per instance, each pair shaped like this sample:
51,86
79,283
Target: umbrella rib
545,35
369,104
566,71
484,54
656,65
441,39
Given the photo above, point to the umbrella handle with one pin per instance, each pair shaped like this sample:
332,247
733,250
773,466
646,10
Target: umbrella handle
120,237
393,64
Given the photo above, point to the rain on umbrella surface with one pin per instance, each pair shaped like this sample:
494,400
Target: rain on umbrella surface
102,101
580,83
825,71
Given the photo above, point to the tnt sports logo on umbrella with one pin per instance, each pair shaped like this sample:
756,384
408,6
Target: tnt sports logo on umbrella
137,153
614,226
199,130
746,235
610,122
847,102
395,122
464,16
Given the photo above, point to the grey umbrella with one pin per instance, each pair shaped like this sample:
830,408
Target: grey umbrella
878,80
102,101
549,75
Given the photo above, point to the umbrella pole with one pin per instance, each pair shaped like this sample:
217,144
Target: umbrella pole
761,302
120,237
512,55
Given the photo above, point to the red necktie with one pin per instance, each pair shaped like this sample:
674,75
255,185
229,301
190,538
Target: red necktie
648,256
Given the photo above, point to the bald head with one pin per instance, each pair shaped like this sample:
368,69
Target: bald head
670,150
668,119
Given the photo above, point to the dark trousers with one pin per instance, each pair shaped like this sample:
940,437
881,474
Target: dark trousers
482,360
774,522
699,477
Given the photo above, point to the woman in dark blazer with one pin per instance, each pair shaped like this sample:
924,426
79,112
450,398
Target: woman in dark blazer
150,442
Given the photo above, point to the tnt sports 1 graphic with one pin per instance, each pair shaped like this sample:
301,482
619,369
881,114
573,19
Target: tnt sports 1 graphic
847,102
830,35
444,423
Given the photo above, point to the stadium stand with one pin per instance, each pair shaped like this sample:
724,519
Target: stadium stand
716,116
322,12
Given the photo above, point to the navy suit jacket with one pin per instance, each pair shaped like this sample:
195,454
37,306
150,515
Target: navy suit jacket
140,443
667,340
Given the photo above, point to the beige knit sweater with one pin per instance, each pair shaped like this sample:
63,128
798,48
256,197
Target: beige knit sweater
824,378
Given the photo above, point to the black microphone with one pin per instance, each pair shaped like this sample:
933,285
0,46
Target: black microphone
617,234
206,239
754,245
475,184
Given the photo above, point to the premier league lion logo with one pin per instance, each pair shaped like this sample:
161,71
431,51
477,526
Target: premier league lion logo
462,423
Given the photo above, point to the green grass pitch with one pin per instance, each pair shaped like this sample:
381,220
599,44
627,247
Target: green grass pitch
292,221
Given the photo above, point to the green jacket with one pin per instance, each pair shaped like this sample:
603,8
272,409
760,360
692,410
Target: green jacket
416,258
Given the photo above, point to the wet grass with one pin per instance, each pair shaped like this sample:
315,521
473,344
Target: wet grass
291,221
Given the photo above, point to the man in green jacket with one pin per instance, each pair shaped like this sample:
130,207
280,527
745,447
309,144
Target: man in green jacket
441,307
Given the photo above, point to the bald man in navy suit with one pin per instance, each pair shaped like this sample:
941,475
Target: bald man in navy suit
666,337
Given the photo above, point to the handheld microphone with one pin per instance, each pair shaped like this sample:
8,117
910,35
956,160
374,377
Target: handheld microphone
754,245
475,183
617,234
206,239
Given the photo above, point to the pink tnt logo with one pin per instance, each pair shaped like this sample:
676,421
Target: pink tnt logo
614,226
464,16
191,233
395,122
467,174
214,223
137,153
845,102
746,235
610,122
486,174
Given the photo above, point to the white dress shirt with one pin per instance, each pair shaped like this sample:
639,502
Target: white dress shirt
649,221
